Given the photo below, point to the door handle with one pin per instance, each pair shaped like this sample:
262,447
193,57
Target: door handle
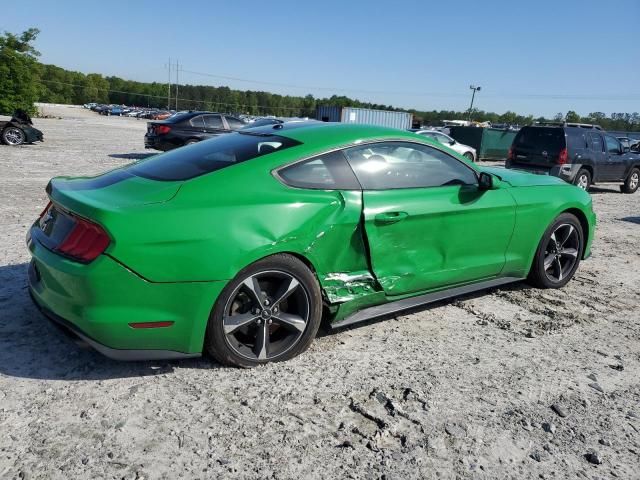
391,217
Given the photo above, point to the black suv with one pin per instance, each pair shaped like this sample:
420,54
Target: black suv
184,128
578,153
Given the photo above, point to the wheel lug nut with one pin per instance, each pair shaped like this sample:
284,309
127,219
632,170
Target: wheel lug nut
259,322
266,302
270,321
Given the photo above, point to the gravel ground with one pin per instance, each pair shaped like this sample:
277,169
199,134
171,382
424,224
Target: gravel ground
511,383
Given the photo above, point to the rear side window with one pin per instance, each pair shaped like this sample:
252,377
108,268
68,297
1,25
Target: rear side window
596,142
211,155
541,139
577,141
197,122
234,123
213,121
325,172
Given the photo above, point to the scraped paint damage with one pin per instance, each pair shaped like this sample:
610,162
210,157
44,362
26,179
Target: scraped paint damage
341,287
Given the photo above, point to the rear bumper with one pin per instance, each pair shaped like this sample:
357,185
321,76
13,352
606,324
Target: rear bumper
99,301
157,143
114,353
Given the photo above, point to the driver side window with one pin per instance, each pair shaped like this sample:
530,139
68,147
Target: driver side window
392,165
613,146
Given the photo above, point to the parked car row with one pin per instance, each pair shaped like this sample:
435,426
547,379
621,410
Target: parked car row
125,111
582,154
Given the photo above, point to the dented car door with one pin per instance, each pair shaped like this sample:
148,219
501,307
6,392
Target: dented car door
427,222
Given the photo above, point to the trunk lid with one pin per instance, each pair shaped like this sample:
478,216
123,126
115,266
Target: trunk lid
114,190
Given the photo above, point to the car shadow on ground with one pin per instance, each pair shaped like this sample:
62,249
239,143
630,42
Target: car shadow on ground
635,220
132,156
604,189
33,347
326,329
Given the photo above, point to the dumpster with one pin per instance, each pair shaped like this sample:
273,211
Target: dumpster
490,143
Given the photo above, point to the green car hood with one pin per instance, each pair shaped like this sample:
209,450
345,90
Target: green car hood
113,190
517,178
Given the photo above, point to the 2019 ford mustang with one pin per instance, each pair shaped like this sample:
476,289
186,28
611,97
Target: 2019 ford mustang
239,245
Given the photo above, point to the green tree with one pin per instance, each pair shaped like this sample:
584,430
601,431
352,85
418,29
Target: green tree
18,72
572,117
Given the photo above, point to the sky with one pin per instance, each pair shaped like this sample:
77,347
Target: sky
536,57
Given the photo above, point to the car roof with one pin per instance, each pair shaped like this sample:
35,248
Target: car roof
329,134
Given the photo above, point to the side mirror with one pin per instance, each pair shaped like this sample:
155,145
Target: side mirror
485,181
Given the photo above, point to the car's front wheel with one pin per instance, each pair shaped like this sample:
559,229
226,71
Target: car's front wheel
558,254
13,136
632,182
269,312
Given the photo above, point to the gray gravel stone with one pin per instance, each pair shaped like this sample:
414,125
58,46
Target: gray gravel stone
560,410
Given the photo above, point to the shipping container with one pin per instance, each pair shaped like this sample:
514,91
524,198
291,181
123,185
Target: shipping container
382,118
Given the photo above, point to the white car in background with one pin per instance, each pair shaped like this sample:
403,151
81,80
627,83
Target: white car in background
465,150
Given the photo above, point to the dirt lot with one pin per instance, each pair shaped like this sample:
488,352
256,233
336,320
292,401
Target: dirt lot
463,389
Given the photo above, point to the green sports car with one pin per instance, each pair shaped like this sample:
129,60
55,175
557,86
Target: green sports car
240,245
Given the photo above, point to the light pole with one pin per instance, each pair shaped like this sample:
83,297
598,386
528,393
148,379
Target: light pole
473,96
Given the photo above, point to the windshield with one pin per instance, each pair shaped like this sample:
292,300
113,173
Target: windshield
208,156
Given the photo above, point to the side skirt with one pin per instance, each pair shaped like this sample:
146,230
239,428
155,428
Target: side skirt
425,299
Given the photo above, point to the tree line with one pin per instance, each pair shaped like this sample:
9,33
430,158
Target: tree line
24,81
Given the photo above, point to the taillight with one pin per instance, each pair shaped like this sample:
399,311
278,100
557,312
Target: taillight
85,241
563,157
510,155
162,129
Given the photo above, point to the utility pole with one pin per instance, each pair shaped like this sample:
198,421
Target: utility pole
473,96
169,86
177,81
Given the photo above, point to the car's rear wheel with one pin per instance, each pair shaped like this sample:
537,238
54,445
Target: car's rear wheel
558,254
469,156
632,182
13,136
269,312
583,179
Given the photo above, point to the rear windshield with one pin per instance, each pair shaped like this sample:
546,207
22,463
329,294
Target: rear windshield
211,155
541,139
180,116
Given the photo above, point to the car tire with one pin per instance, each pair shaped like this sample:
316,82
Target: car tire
582,179
469,156
558,254
632,182
13,136
244,333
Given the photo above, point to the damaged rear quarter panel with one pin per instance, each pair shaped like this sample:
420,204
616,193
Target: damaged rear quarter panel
220,223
